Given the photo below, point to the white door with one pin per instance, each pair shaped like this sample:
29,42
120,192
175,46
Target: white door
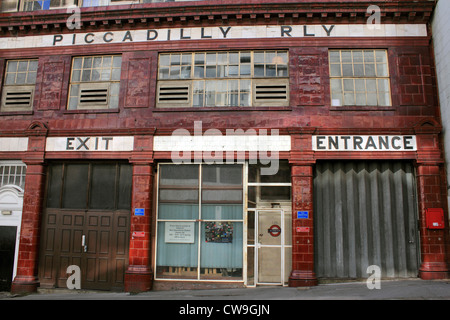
11,202
270,242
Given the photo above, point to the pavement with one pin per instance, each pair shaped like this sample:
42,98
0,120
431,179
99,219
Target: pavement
411,289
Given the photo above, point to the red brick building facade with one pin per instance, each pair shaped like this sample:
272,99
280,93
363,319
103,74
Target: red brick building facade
349,113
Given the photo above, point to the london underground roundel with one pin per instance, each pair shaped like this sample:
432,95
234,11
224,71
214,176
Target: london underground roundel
274,230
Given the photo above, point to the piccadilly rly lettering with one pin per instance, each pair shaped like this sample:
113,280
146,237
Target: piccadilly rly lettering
175,34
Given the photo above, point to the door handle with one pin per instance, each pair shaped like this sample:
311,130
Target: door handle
83,243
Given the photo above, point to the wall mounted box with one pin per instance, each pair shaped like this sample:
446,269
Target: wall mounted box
435,218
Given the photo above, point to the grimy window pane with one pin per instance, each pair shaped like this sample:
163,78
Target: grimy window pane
282,175
219,175
54,186
172,175
103,186
275,193
75,186
125,181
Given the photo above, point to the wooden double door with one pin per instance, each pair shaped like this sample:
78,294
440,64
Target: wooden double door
86,224
95,241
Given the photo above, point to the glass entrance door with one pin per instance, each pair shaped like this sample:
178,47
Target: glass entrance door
270,240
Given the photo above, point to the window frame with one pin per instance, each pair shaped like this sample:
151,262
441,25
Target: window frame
242,81
101,84
344,80
7,177
200,221
15,88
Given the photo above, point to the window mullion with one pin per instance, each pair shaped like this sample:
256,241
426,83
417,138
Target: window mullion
199,220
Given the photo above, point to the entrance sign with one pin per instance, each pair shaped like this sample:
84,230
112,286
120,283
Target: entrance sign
364,143
179,232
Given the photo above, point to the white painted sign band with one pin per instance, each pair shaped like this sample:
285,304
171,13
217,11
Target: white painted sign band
13,144
221,32
222,143
90,144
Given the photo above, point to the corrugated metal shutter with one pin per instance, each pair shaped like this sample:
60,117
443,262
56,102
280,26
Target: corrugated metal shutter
365,214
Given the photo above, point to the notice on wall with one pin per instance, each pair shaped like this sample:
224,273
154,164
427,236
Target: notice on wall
179,232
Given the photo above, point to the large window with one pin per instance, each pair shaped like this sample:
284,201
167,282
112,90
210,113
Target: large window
19,83
95,82
200,222
359,78
93,185
221,79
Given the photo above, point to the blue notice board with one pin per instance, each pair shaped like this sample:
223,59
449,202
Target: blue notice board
302,214
139,211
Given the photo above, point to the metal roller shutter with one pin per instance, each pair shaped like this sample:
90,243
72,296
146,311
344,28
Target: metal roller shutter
365,214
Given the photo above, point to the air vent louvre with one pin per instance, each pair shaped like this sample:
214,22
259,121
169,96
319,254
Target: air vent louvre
17,98
271,92
174,93
94,95
274,92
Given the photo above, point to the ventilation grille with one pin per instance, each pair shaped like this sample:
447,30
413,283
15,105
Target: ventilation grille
94,95
271,93
174,93
17,98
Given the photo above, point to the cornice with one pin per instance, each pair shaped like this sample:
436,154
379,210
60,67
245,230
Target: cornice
218,12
